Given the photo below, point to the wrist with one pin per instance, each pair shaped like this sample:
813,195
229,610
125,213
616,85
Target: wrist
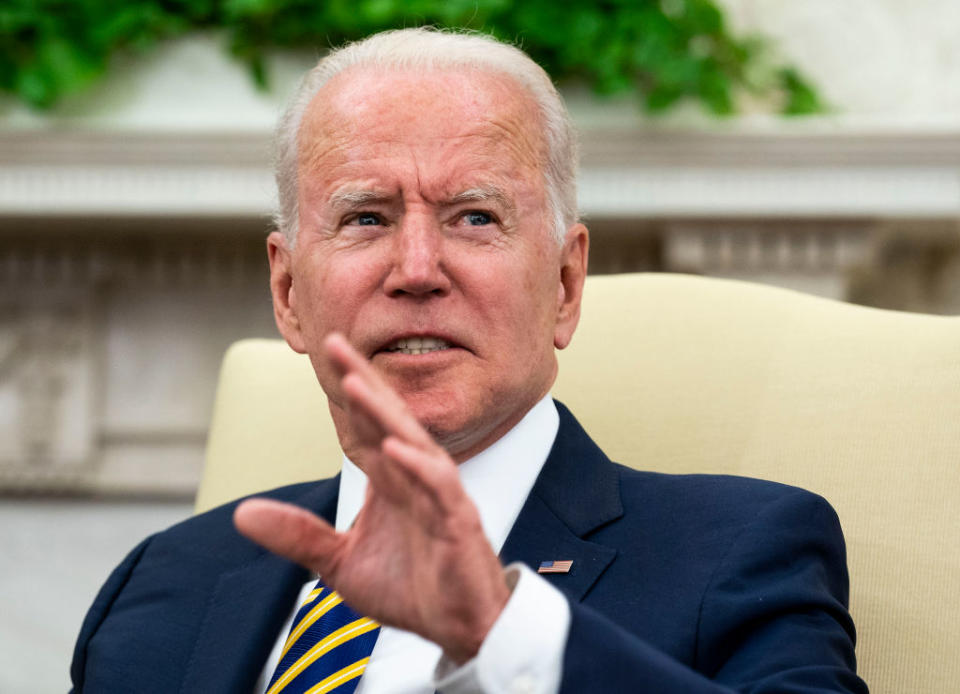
525,646
464,642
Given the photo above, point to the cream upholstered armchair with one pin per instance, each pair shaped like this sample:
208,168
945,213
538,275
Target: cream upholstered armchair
684,374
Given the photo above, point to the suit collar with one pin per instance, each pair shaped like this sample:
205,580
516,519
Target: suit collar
248,607
578,482
577,492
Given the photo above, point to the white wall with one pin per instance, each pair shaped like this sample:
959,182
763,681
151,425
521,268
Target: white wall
883,63
56,555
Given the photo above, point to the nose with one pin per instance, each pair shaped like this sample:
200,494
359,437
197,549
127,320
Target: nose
417,267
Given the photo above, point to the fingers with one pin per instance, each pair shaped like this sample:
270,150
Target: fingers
385,407
409,462
289,531
376,399
433,474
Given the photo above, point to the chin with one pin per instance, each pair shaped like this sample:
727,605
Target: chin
447,418
441,420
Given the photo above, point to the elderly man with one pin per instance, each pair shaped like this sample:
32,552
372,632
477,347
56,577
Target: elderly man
429,261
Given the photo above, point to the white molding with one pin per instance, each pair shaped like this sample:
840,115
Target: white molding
922,192
626,172
129,190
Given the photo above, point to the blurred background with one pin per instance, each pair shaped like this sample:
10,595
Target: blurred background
813,145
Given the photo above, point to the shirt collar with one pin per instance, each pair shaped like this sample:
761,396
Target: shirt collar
498,479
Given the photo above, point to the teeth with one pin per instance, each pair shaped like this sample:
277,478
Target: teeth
418,345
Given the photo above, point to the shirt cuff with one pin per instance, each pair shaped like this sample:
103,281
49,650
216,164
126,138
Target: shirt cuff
523,651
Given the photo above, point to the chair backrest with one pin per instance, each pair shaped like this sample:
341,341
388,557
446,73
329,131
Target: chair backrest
683,374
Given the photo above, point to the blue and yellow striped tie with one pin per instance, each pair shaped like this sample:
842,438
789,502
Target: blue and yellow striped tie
328,647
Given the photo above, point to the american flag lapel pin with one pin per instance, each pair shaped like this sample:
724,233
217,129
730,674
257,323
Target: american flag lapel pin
555,566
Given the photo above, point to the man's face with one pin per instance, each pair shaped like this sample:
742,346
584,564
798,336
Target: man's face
424,237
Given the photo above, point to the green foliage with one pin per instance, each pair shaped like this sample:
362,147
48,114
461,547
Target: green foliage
663,50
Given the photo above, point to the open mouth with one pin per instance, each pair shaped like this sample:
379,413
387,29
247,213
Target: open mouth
417,345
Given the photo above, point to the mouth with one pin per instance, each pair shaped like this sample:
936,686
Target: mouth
417,345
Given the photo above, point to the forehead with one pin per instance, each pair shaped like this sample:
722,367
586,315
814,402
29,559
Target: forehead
435,113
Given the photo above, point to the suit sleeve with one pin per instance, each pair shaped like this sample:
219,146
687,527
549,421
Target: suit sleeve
773,619
99,610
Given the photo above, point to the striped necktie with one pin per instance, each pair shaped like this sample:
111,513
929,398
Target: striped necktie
328,647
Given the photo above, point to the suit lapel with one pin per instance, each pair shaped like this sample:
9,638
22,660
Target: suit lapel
577,491
247,610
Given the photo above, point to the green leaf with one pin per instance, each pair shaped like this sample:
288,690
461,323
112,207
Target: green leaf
35,88
802,99
664,50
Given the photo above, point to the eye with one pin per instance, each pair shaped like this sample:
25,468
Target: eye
366,219
477,219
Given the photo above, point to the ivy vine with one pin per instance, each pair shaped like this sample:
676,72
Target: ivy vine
665,51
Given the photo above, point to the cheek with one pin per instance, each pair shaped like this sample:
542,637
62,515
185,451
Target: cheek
340,289
542,283
520,308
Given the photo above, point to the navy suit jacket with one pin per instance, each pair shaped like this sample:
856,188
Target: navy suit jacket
680,584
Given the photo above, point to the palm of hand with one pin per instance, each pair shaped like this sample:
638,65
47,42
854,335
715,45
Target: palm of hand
416,557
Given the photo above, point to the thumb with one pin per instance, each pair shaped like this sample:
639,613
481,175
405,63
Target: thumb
288,530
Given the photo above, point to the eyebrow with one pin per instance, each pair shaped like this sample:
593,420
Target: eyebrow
480,194
356,198
351,199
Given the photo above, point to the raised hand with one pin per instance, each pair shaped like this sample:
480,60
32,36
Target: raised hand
416,557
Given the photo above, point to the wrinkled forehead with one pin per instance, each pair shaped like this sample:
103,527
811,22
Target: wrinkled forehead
373,104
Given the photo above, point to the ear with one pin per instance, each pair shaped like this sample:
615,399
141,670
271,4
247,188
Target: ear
282,289
573,272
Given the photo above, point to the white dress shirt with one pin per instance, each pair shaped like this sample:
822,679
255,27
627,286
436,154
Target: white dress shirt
523,652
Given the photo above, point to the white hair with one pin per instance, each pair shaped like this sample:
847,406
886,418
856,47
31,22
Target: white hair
427,48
